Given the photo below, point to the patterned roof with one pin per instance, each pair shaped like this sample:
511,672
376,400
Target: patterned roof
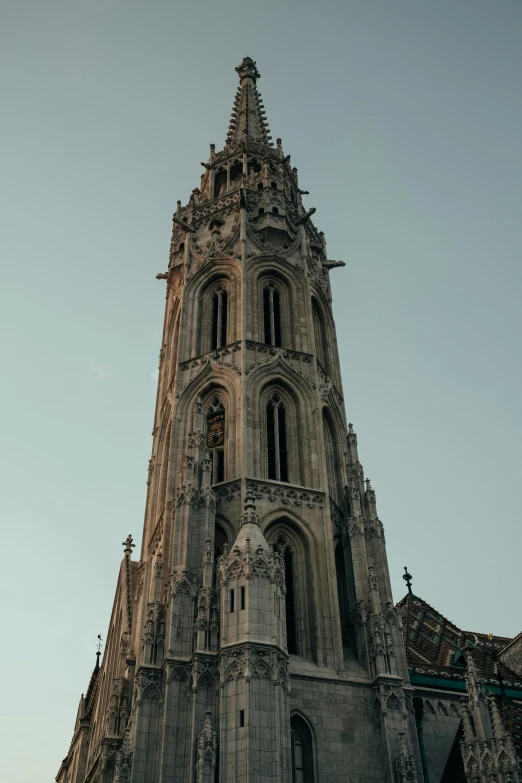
433,645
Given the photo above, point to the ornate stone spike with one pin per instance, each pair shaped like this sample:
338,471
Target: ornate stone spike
352,437
129,545
496,720
250,516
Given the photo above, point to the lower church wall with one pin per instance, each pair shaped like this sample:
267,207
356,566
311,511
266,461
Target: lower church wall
345,729
440,722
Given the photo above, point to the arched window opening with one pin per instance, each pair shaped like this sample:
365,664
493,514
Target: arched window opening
220,542
290,609
272,315
273,185
276,439
260,186
219,318
220,183
291,631
347,631
302,751
216,439
261,211
236,172
320,346
275,211
332,466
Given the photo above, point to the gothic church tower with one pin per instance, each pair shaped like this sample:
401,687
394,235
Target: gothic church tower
256,639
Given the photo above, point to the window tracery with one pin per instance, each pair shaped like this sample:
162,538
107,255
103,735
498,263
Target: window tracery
302,751
277,453
290,612
272,314
216,438
219,318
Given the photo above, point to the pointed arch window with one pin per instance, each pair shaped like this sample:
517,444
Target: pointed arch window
290,607
277,453
272,314
219,318
302,751
216,439
320,344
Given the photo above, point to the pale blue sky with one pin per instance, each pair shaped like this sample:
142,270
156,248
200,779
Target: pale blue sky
404,119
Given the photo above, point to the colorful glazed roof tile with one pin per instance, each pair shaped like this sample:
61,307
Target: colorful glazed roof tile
433,650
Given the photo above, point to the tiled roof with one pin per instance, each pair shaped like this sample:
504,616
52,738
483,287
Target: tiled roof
433,645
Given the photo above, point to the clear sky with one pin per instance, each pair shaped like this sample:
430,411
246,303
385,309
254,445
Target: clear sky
404,119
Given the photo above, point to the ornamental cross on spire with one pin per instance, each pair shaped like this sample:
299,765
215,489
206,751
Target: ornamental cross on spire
407,578
129,545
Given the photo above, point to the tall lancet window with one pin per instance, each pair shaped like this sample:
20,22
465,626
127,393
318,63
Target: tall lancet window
321,346
276,439
272,315
219,318
290,609
302,752
216,439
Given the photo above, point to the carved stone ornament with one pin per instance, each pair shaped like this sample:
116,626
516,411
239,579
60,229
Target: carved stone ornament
286,495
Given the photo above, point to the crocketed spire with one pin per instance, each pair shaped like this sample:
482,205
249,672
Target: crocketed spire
248,114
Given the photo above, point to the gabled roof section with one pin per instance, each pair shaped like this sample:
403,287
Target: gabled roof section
434,644
248,114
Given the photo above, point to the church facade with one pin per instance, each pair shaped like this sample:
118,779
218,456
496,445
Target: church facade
255,639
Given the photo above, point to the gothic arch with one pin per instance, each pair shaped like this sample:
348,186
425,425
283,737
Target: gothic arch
333,459
304,748
279,377
322,349
324,334
197,303
212,380
287,535
346,601
160,467
290,286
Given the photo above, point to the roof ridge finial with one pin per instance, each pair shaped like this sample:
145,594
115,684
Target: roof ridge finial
407,578
98,652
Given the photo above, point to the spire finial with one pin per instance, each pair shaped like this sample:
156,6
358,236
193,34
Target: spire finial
248,119
129,545
407,578
98,651
248,69
250,516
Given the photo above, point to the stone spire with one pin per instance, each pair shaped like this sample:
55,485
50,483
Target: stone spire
248,114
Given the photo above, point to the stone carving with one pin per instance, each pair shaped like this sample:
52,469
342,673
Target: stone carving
254,661
228,492
405,768
206,749
286,495
261,563
390,696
